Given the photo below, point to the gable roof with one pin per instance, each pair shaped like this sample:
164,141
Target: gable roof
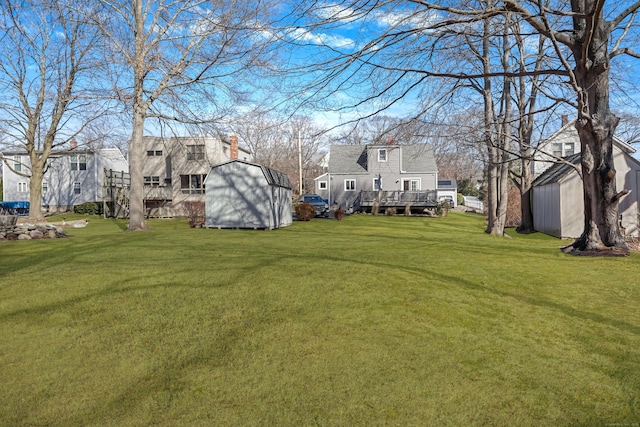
416,158
272,176
557,171
348,159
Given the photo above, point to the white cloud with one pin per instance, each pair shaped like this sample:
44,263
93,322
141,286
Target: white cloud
332,40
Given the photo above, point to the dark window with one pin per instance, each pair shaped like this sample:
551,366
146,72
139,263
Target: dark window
195,152
153,181
79,162
382,155
192,184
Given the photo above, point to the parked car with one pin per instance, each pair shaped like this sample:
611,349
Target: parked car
318,203
449,200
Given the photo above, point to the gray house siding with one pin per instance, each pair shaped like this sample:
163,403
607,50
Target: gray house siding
246,195
394,167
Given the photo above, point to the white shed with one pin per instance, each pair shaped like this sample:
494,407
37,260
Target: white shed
239,194
558,203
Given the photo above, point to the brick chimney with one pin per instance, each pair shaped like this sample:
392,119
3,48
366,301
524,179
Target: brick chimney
389,139
73,143
233,151
565,119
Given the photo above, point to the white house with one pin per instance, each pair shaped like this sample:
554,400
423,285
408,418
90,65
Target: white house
72,176
564,142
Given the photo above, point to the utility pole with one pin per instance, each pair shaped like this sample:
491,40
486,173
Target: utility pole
300,162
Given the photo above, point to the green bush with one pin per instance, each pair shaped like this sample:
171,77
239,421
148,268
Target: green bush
305,211
460,198
89,208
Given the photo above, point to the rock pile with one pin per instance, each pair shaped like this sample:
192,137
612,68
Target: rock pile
9,230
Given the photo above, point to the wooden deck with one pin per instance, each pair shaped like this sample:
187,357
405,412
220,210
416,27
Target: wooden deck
415,201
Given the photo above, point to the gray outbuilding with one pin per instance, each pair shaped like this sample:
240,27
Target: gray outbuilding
558,199
240,194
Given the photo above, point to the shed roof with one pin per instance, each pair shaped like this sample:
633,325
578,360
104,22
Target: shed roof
272,176
557,171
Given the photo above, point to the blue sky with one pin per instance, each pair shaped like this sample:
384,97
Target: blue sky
357,29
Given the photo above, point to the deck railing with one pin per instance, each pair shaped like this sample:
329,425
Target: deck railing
396,198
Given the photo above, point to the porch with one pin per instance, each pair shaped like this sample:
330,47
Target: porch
416,201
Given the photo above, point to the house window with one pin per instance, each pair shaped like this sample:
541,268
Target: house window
153,181
349,185
377,184
382,155
556,149
411,184
322,185
79,162
195,152
17,163
23,187
151,153
569,149
192,184
45,187
76,188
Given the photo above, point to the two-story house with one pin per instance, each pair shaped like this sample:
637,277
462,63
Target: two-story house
361,176
175,169
72,177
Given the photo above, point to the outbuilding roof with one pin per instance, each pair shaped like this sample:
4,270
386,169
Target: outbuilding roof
557,171
273,177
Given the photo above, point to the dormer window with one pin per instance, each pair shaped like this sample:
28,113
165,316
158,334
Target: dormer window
382,155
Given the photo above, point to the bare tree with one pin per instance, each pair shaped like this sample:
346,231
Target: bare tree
412,50
47,60
276,143
180,62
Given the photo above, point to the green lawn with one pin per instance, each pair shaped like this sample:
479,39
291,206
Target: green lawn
368,321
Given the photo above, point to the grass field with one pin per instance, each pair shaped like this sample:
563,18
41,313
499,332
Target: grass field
368,321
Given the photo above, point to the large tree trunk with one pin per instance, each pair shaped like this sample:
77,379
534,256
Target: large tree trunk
526,181
136,192
35,190
494,223
596,126
526,214
499,135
